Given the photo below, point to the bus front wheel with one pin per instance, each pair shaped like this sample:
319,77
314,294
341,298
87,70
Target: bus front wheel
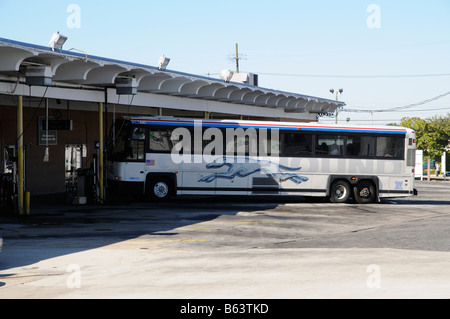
364,192
159,189
340,192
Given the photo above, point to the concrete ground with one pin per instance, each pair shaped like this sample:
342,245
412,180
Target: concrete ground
231,248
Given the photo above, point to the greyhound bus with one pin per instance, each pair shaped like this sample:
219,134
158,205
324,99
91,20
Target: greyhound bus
161,157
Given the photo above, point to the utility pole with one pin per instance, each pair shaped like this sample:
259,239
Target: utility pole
237,58
337,99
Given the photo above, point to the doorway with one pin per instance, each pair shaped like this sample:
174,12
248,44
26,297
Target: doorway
9,159
74,155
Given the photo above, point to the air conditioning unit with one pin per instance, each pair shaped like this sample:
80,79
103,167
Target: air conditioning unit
247,78
253,79
126,86
39,75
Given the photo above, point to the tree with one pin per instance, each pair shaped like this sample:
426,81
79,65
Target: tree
432,135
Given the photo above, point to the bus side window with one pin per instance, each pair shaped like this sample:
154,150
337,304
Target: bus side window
160,141
330,145
392,147
360,146
296,144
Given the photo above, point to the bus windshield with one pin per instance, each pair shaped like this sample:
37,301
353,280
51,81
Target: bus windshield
120,137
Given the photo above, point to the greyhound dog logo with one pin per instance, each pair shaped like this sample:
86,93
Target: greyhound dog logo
250,167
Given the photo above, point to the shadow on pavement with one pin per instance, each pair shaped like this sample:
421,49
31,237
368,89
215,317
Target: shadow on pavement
54,229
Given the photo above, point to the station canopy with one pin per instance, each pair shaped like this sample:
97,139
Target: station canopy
75,75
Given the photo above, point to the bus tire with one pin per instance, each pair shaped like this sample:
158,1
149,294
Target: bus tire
159,189
340,191
365,192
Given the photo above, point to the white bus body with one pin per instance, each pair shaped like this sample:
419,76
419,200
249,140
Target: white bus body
162,157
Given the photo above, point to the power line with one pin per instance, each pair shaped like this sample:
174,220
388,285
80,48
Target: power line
428,110
399,108
358,76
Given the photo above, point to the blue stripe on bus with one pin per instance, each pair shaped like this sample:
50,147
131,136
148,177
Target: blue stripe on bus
351,130
226,125
237,125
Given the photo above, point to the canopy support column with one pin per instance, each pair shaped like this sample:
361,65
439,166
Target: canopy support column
100,153
20,157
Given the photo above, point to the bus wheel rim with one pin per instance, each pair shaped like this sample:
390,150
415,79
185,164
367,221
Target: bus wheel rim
161,189
340,192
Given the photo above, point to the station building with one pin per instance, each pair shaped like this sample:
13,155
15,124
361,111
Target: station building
56,107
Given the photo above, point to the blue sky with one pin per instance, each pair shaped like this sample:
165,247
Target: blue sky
301,46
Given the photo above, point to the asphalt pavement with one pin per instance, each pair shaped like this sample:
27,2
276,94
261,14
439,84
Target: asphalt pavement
227,248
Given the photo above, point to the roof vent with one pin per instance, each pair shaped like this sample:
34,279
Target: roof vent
247,78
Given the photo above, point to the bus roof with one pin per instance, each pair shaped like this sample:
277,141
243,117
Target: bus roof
172,121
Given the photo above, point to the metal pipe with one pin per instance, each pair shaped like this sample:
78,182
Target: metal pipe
20,159
27,203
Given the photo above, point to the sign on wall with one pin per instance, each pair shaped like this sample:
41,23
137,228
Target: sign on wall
45,137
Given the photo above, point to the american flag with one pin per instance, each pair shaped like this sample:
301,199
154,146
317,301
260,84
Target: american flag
150,162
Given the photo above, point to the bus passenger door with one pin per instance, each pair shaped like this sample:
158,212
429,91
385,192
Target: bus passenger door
134,166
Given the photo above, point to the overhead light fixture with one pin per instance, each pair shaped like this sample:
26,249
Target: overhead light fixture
57,41
163,63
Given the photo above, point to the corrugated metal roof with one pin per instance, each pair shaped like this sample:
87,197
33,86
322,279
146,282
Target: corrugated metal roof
83,69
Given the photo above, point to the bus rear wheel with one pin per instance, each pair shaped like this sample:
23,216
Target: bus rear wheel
364,192
159,189
340,192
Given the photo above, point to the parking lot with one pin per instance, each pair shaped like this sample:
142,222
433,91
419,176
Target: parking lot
193,248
